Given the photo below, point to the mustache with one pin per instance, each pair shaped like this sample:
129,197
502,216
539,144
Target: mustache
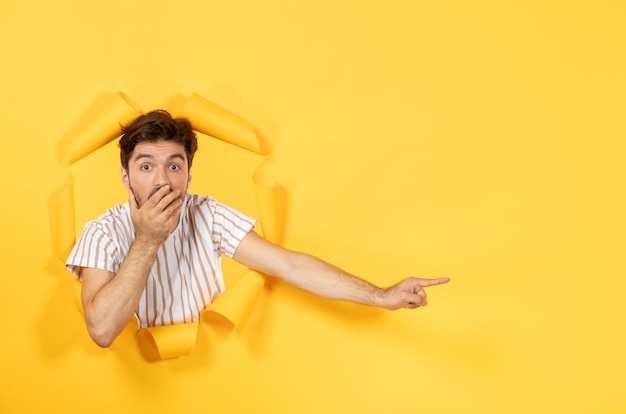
157,188
154,190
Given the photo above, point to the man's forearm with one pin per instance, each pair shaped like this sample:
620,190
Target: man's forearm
323,279
112,307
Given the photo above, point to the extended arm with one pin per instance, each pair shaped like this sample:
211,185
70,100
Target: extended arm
110,299
323,279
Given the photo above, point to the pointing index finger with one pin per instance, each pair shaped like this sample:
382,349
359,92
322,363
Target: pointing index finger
434,282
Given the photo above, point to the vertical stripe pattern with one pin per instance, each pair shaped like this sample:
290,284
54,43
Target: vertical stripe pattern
187,273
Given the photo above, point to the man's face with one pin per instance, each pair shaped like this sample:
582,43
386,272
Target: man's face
155,164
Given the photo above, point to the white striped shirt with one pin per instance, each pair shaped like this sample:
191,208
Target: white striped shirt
187,273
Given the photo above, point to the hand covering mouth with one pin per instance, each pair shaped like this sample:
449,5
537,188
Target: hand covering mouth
154,190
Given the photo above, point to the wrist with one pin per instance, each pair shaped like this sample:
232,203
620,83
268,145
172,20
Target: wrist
379,297
147,244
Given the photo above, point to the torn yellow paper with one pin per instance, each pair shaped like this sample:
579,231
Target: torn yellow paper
78,300
270,200
63,224
170,341
217,122
237,302
103,127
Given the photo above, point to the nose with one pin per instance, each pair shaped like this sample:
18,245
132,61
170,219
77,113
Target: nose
161,178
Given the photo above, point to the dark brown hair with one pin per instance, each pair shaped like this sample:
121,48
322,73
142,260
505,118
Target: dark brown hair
157,126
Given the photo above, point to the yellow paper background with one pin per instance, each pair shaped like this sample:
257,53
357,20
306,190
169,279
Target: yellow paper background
479,140
102,127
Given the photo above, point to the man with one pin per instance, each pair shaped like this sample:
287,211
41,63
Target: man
157,257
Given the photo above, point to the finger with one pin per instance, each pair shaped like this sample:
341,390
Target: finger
433,282
421,302
158,193
416,298
412,305
170,200
422,295
162,197
174,207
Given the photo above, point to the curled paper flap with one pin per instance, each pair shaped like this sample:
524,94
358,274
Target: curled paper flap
165,342
171,341
270,199
213,120
103,127
78,300
237,302
63,224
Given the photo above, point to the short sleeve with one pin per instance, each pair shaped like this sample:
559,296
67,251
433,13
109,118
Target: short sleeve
230,227
94,249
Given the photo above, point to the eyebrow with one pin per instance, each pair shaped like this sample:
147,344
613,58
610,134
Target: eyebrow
151,157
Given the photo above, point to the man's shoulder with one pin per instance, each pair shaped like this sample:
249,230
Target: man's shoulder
195,202
116,212
115,215
208,206
195,199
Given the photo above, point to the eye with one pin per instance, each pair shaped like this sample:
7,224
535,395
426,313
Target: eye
174,167
145,167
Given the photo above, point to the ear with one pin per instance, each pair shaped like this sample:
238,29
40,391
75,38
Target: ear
125,177
189,179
